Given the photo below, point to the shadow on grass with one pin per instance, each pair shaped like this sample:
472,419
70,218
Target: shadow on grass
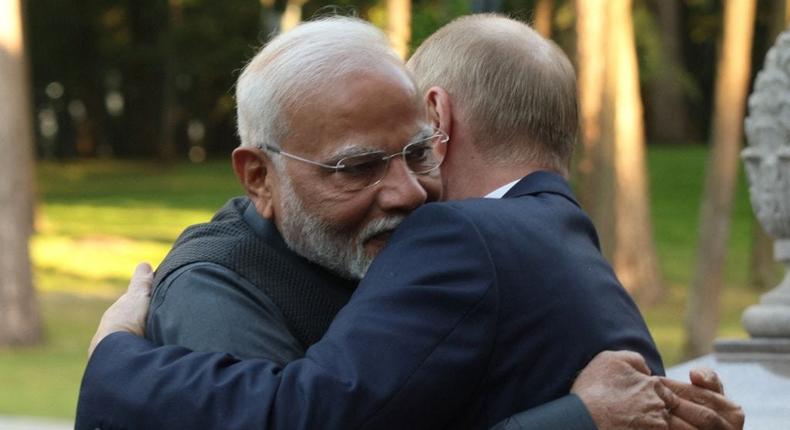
128,184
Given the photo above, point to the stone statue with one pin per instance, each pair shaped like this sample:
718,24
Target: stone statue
767,160
756,371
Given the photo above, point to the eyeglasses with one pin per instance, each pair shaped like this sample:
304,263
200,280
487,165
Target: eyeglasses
356,172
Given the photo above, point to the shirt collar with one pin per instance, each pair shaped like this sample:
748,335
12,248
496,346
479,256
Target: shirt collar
501,191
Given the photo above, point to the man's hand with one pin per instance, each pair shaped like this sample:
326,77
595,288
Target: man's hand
620,394
129,312
702,405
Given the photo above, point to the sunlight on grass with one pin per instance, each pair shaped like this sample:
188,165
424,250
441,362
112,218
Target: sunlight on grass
138,222
86,264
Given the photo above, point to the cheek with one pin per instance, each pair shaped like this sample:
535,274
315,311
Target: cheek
432,183
342,211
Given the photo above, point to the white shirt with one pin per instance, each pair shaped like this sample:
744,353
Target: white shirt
501,191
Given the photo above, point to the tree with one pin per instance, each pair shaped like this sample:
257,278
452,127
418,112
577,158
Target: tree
591,66
544,9
292,15
19,318
726,135
399,25
633,253
612,168
668,111
144,77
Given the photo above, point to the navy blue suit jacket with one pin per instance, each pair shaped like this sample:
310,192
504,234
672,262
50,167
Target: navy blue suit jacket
475,310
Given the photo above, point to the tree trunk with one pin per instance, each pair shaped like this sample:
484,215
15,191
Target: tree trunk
634,255
544,10
143,77
399,25
167,141
19,317
591,65
732,83
292,15
270,19
668,108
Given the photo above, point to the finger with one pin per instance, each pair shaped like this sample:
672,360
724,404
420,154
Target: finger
143,269
677,423
701,396
142,279
700,417
634,359
706,378
671,400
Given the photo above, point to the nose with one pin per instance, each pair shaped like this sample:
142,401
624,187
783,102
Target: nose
399,190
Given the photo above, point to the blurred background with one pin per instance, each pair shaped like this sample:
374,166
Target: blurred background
117,121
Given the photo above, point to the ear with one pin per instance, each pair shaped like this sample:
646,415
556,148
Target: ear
439,108
258,178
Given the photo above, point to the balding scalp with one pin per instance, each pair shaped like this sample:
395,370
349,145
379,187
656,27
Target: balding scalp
515,89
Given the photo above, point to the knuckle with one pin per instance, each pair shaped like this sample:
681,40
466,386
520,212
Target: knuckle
709,419
739,417
607,355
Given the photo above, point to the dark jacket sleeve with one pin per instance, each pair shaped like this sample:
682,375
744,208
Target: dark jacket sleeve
408,351
207,307
567,413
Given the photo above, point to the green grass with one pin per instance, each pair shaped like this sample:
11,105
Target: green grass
44,380
97,219
677,176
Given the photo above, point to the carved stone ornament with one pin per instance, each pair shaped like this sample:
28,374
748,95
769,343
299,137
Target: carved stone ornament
767,161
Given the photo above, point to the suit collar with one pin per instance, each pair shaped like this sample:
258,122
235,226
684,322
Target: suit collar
542,182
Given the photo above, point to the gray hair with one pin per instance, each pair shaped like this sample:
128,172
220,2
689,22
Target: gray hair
515,89
293,65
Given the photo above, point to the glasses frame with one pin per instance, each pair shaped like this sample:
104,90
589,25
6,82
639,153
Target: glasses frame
437,133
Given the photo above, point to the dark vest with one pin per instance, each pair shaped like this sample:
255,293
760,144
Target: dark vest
308,302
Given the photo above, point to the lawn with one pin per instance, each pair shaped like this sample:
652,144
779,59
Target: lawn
97,219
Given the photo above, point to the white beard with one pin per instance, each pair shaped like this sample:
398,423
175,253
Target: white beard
314,239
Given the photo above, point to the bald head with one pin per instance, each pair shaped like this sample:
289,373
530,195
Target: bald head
515,90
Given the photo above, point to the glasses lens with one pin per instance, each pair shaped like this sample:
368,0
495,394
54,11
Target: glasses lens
425,155
360,171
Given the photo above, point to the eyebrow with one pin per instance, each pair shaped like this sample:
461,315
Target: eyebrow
351,150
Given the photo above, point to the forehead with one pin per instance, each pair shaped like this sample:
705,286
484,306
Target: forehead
377,107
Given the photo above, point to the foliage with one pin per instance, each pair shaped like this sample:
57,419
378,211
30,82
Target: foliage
174,63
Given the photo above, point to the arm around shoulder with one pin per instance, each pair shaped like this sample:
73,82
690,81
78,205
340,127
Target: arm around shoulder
567,413
391,359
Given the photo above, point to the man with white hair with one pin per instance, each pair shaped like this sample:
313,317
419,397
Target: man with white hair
474,310
267,275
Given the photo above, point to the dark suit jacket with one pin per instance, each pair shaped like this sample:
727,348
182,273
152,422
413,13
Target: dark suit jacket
474,311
